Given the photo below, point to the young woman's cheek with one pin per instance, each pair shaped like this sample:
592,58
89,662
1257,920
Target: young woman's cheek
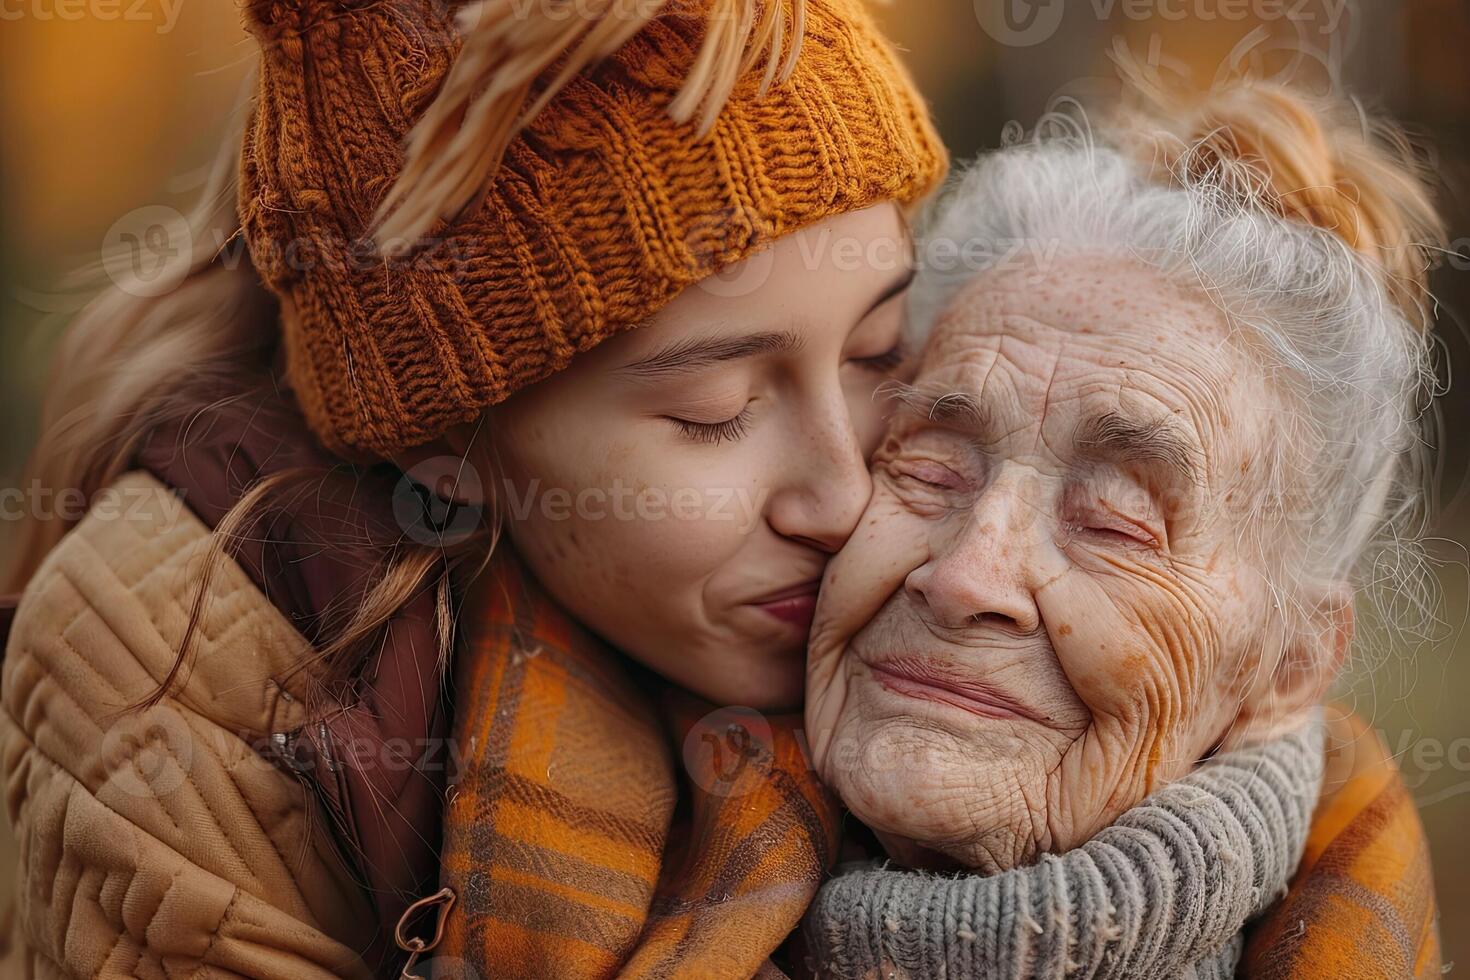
648,524
712,500
545,468
566,548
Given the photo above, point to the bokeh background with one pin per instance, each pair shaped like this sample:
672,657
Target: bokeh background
108,106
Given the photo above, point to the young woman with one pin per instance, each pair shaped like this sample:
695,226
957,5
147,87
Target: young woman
226,730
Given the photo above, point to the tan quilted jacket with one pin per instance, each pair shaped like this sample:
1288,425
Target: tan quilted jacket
162,843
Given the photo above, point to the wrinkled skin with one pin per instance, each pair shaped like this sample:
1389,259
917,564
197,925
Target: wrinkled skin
1038,621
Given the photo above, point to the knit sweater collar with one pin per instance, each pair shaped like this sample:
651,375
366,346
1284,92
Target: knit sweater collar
1165,891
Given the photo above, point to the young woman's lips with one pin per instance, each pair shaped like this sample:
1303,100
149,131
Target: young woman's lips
794,605
920,679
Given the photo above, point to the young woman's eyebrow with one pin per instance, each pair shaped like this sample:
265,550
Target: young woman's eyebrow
895,287
691,353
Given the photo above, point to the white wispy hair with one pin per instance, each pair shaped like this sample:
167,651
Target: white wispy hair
1342,498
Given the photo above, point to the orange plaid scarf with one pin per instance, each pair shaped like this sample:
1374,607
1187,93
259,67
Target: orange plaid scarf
606,825
1362,902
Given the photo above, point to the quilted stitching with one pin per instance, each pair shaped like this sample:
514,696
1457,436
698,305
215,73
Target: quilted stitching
104,802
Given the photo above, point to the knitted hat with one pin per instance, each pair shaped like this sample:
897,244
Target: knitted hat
507,250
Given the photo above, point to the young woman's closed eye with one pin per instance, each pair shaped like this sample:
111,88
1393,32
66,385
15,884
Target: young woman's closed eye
735,433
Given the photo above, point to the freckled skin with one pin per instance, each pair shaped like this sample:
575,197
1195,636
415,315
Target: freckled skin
674,592
1125,647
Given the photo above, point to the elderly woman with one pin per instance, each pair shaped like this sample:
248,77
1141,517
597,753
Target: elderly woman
1079,641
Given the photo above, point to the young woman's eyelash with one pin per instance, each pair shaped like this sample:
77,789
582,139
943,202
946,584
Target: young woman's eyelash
714,433
886,361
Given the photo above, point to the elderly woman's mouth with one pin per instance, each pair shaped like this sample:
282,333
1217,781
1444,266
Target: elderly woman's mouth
929,680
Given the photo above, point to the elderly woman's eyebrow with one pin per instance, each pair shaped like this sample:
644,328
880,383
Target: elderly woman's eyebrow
1115,437
944,406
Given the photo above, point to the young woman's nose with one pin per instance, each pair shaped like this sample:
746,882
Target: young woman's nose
824,485
978,576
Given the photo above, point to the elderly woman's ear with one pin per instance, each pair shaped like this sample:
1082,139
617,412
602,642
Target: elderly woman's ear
1282,691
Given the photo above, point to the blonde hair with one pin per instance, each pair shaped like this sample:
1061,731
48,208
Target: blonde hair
1322,161
510,46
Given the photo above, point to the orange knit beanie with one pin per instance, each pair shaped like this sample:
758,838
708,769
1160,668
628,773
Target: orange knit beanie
418,289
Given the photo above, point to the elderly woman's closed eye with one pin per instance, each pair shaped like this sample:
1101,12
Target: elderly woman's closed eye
1072,614
1121,511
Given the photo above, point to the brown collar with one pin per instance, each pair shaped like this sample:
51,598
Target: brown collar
384,802
7,616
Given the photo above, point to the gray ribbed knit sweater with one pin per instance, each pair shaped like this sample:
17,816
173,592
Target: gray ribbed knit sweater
1161,893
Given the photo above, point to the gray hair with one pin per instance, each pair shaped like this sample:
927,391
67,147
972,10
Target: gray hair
1346,478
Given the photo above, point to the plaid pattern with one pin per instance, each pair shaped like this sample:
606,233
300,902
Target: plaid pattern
607,825
1362,903
604,825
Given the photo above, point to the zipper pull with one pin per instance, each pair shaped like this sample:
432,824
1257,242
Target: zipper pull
416,947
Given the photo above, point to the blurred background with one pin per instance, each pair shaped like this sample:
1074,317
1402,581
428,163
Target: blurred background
107,107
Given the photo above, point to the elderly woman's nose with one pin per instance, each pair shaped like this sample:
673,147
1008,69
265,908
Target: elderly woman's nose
824,486
980,575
